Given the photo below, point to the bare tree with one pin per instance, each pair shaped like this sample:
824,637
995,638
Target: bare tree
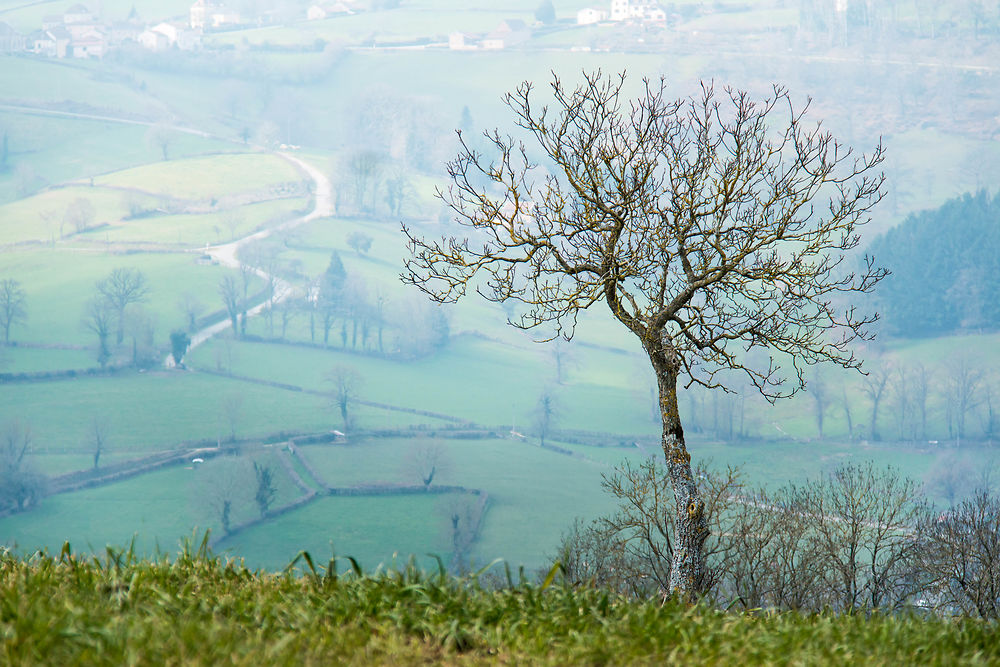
950,476
546,414
98,317
161,136
122,288
426,461
140,326
693,220
225,486
365,167
230,292
845,404
232,219
20,487
98,437
192,307
563,357
819,390
12,305
15,444
79,214
963,383
862,523
873,386
463,516
960,552
346,382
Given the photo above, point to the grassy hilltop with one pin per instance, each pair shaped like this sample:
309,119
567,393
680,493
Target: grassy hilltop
200,610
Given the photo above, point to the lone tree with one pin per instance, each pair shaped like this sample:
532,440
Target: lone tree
179,344
12,308
693,220
122,288
347,384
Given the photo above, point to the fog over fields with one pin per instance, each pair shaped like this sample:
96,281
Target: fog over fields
204,326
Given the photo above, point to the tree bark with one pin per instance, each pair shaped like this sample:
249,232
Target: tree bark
687,569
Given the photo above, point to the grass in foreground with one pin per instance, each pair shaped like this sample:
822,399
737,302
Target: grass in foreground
199,609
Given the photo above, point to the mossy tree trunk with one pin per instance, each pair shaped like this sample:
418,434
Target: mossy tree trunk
687,570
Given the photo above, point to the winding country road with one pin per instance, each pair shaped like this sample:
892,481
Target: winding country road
228,254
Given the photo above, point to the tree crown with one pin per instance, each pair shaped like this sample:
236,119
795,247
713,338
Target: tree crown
695,220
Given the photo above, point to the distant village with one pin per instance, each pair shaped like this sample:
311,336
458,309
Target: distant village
79,33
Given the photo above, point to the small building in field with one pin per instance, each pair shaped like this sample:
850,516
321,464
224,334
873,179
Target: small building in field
589,16
52,42
89,44
461,41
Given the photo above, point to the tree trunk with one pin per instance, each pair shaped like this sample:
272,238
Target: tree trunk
687,569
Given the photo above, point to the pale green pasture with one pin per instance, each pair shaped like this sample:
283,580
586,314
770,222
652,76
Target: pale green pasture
208,176
59,282
47,150
371,530
193,230
155,410
534,493
471,378
157,509
32,360
742,21
43,217
81,81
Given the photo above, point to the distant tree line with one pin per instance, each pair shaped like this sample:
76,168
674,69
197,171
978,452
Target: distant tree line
956,401
945,267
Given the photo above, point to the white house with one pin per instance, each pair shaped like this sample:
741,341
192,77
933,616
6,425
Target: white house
590,15
640,10
90,44
153,40
459,41
198,14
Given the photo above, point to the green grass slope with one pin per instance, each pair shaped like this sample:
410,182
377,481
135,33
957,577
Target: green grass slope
199,610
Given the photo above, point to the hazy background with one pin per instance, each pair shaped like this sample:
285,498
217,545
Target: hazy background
144,143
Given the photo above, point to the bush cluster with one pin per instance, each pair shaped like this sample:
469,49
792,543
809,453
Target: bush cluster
858,539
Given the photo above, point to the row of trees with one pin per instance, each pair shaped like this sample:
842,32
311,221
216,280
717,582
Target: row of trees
339,308
954,401
112,310
858,538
